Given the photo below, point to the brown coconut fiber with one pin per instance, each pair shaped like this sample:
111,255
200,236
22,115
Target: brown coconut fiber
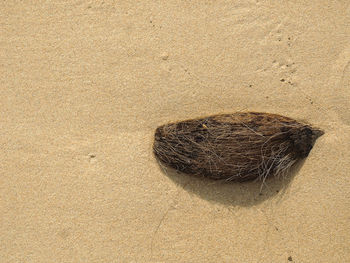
236,147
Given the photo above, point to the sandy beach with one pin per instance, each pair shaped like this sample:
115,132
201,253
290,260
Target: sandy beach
85,84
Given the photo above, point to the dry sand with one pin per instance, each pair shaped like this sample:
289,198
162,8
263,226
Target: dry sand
85,84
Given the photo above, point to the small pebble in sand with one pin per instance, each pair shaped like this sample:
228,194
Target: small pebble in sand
164,56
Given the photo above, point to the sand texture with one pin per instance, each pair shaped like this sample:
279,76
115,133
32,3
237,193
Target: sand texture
84,85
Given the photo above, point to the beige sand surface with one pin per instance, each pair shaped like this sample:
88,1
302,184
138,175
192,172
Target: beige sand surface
85,83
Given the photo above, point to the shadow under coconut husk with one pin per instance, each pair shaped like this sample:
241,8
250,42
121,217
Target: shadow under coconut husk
244,194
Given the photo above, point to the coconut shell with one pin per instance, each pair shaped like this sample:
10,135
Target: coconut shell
237,147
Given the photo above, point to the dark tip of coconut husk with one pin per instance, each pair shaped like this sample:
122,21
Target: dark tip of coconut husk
316,133
235,147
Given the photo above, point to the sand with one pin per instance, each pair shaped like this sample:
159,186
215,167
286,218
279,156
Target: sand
85,84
